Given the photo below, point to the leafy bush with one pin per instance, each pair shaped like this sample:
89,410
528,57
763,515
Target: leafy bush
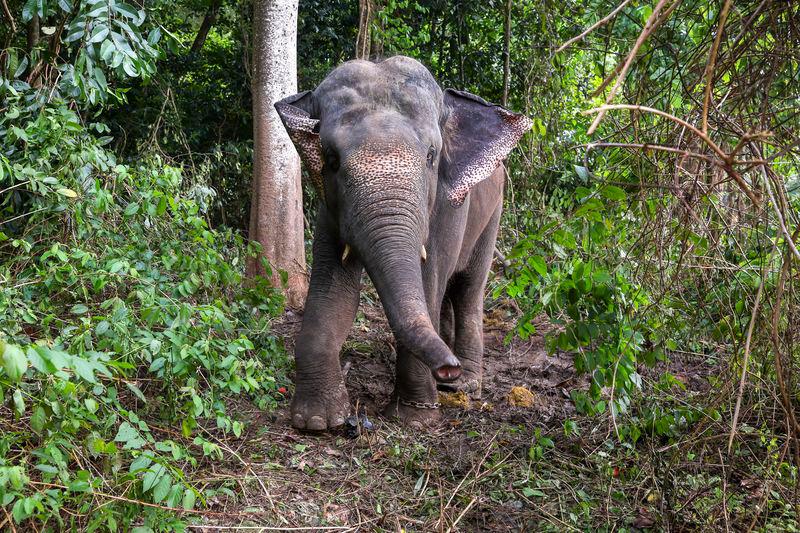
121,308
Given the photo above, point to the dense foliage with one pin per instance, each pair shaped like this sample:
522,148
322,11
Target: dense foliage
127,331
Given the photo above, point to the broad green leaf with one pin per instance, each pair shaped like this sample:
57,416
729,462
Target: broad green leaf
69,193
612,192
84,369
14,362
153,476
189,498
162,488
28,10
79,309
38,419
98,34
131,209
136,391
539,265
106,50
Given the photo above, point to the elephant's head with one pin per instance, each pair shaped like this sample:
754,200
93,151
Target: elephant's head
379,141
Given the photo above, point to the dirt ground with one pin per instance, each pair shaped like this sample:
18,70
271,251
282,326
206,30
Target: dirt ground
490,466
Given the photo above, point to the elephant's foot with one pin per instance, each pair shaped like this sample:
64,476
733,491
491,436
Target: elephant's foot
470,383
416,415
319,406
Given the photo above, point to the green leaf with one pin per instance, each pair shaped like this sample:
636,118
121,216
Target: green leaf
127,10
106,50
136,391
582,172
131,209
79,485
28,10
538,264
162,488
19,403
529,492
38,419
612,192
153,476
14,362
79,309
162,206
102,327
189,498
130,436
84,369
98,34
69,193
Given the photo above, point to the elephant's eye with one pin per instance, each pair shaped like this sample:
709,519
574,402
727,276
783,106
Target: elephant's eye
431,155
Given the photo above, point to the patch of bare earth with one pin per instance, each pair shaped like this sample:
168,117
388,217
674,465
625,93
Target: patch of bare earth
475,471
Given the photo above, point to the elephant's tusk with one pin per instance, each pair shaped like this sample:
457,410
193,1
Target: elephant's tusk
424,254
345,253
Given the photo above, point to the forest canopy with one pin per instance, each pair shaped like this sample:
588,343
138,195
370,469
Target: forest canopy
649,236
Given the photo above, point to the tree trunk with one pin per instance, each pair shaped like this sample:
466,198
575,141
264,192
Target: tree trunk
276,212
366,12
506,54
205,27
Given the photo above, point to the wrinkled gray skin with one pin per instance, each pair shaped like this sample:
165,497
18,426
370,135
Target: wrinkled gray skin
393,157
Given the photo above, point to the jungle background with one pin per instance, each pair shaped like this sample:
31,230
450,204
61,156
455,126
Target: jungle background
643,301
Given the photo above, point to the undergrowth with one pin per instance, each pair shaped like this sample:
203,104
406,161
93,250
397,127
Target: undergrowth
122,314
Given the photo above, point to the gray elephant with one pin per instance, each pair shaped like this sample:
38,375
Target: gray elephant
411,182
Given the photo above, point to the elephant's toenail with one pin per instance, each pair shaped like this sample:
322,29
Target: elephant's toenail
337,421
298,421
316,423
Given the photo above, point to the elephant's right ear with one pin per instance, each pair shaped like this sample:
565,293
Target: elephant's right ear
295,112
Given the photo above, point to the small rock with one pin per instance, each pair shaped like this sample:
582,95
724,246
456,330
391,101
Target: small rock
521,397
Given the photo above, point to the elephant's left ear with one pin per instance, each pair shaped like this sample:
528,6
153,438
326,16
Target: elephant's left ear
295,113
477,135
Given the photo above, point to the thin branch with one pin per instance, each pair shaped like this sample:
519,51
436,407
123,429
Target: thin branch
778,213
652,23
593,27
659,147
8,15
728,166
712,60
745,359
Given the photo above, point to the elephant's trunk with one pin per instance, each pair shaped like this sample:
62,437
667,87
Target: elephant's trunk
391,251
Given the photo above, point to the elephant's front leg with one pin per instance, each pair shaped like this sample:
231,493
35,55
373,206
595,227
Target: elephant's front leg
320,400
415,396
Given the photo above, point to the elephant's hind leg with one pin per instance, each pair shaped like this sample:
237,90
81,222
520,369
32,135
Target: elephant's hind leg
467,293
320,400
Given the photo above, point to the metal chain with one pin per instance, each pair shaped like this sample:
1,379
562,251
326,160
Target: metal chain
420,405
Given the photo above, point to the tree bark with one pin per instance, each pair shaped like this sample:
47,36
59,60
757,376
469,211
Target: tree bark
506,54
366,12
276,212
33,33
205,27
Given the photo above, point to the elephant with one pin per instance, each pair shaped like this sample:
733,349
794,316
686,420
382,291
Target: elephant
411,181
